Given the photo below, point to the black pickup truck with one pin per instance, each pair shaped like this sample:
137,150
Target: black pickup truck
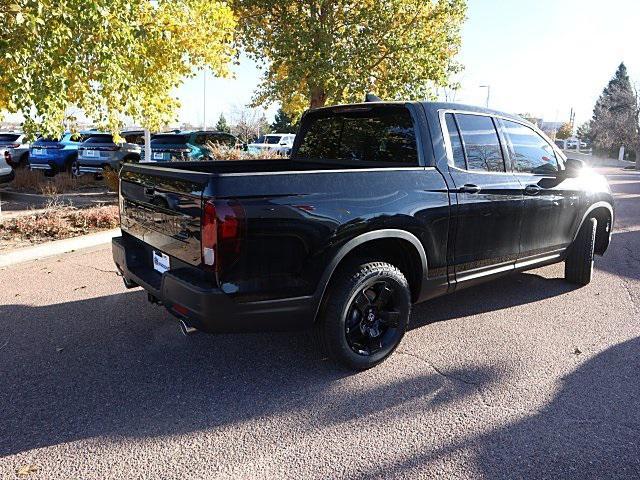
381,205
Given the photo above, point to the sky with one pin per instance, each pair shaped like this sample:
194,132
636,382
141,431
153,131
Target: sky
541,57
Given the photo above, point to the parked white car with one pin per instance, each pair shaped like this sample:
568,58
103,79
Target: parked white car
275,142
6,171
17,146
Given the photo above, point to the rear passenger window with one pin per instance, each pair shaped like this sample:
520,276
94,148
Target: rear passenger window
367,136
529,152
456,143
481,143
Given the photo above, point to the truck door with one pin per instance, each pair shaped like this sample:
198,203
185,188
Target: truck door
551,201
489,198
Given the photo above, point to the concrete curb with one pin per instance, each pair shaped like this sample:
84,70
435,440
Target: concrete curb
50,249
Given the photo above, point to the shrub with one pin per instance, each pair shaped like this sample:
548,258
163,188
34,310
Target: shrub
59,221
111,179
220,152
27,179
35,181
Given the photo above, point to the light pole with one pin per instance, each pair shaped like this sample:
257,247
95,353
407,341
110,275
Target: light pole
204,99
488,87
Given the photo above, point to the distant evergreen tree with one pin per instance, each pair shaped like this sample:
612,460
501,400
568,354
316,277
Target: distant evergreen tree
222,125
565,131
614,121
584,132
282,123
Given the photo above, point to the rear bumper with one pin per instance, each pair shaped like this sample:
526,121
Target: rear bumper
89,169
93,165
42,166
55,160
185,293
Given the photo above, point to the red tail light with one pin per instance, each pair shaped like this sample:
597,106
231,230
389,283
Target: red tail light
12,145
8,158
221,233
208,234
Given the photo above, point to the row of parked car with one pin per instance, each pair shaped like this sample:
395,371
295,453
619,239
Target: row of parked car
94,152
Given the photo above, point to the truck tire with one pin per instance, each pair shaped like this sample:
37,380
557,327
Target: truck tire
578,266
365,314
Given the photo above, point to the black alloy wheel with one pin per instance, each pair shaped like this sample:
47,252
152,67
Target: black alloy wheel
365,314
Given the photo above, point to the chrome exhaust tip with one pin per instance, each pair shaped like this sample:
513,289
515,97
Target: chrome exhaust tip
186,329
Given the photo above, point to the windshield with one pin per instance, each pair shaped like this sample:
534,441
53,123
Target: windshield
8,138
170,139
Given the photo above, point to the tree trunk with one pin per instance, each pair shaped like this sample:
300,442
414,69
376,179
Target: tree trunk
318,97
638,156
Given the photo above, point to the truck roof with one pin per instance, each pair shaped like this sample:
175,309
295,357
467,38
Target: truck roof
429,106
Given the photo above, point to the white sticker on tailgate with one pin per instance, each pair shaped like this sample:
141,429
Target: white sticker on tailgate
160,262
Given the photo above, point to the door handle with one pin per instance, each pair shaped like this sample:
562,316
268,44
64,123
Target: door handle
532,189
469,188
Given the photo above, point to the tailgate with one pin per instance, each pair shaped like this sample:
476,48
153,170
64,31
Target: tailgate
162,207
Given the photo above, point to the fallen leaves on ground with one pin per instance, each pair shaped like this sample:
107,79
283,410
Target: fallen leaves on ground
25,470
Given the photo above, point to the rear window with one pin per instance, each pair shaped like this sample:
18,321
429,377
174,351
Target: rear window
136,138
169,139
366,136
7,138
222,139
99,139
272,139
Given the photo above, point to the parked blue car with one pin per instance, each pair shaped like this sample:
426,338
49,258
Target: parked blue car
56,155
191,145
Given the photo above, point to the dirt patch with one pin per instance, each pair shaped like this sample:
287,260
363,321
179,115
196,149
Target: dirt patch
56,222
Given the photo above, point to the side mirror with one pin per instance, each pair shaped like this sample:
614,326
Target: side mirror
245,147
573,167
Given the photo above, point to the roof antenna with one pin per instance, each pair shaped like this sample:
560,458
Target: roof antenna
370,97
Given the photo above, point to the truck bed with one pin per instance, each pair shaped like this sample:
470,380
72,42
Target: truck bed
265,166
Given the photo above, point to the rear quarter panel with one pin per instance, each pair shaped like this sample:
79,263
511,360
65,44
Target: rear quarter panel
297,222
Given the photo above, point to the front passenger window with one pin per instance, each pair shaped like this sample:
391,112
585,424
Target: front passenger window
481,143
529,152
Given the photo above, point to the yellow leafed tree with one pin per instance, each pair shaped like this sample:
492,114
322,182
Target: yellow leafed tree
331,51
111,59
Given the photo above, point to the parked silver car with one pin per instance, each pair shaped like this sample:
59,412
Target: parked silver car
17,147
99,152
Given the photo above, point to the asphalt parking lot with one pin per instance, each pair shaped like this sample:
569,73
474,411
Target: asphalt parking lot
525,377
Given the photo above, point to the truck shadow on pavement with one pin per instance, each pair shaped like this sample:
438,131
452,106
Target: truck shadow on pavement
590,429
518,289
115,367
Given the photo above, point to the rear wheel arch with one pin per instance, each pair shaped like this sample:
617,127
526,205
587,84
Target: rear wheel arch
397,247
